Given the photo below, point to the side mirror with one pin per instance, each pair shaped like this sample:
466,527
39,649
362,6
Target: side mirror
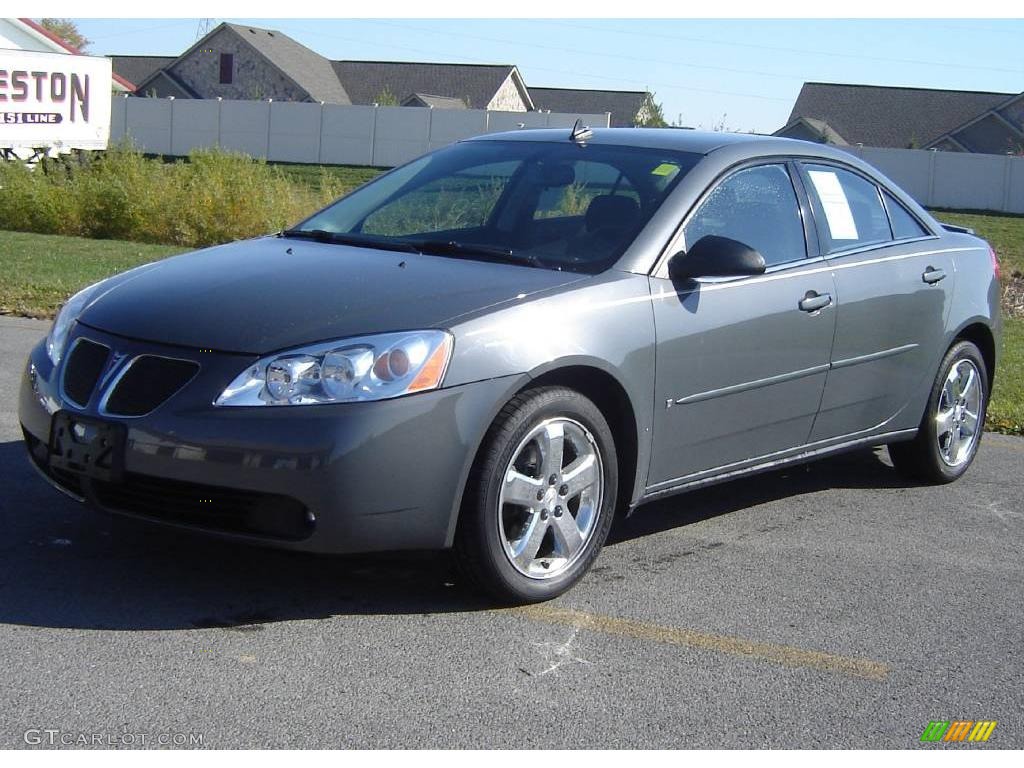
714,256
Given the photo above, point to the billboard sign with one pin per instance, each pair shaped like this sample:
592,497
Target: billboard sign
54,100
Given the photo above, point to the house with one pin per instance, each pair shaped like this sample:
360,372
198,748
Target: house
925,118
239,62
27,35
627,108
444,86
138,69
235,61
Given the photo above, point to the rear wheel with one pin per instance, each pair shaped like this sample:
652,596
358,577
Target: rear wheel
541,498
950,431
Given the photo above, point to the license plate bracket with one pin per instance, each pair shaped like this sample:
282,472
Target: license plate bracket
87,446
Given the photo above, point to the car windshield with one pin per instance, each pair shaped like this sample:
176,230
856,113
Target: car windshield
553,205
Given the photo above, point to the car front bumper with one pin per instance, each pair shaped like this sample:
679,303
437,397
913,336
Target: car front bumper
342,478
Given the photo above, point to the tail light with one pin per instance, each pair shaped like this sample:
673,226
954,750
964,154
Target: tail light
995,263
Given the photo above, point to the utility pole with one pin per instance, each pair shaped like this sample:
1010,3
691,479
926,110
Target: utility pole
204,28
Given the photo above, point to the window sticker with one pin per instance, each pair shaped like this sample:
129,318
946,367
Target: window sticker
841,225
666,169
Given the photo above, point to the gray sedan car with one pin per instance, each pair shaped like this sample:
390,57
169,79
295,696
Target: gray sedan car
501,345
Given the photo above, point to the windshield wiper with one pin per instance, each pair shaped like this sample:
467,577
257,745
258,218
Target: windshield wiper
437,247
469,250
342,238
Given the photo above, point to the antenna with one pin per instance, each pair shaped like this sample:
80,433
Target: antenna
580,132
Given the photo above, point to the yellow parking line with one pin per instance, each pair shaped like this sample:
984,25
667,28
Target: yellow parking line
786,655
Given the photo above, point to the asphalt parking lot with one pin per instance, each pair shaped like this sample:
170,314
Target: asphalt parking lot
830,605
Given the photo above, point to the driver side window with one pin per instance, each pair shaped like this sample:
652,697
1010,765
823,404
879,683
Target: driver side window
758,207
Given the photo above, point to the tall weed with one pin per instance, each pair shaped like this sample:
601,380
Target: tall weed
212,197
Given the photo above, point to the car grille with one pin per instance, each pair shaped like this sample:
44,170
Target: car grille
218,509
83,369
206,506
146,383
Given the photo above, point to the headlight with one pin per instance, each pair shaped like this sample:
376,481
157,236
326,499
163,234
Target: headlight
66,317
366,368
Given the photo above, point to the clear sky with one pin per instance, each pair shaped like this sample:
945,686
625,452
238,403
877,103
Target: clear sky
744,74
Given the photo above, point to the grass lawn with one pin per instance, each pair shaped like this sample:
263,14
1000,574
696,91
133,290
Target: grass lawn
1006,411
41,271
1005,232
348,175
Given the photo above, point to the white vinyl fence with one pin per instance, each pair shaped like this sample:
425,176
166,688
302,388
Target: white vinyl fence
952,179
296,132
333,134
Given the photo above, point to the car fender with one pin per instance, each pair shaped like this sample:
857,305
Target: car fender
606,323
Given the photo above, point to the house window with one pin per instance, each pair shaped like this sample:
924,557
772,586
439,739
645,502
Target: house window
227,68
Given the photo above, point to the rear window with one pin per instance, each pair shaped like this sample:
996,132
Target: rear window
904,225
847,207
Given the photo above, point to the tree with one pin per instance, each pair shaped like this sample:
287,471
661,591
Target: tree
67,31
651,114
386,98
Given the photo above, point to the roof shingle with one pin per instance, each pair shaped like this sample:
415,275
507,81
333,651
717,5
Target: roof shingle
432,101
137,69
623,105
310,71
886,116
473,84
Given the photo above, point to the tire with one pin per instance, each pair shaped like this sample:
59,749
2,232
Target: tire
502,514
940,453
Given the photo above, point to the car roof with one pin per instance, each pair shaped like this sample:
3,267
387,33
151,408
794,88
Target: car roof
680,139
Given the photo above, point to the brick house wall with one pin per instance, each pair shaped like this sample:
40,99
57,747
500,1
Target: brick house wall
506,99
253,77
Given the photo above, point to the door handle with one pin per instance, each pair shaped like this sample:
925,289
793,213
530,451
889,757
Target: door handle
814,301
933,275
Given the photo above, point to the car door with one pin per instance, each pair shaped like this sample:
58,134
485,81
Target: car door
740,365
894,289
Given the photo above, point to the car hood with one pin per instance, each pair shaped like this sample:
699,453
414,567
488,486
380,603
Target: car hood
264,295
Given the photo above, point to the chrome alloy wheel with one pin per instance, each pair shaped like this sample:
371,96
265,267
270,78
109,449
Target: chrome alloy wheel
959,407
550,498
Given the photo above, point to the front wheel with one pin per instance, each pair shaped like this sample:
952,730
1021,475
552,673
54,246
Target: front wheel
541,498
948,437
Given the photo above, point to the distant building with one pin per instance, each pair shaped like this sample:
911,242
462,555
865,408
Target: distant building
240,62
442,86
235,61
924,118
627,108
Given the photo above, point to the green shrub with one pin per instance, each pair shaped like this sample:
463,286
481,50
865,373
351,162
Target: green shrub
33,204
212,197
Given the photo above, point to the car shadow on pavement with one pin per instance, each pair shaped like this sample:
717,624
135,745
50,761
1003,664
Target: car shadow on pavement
868,468
64,565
